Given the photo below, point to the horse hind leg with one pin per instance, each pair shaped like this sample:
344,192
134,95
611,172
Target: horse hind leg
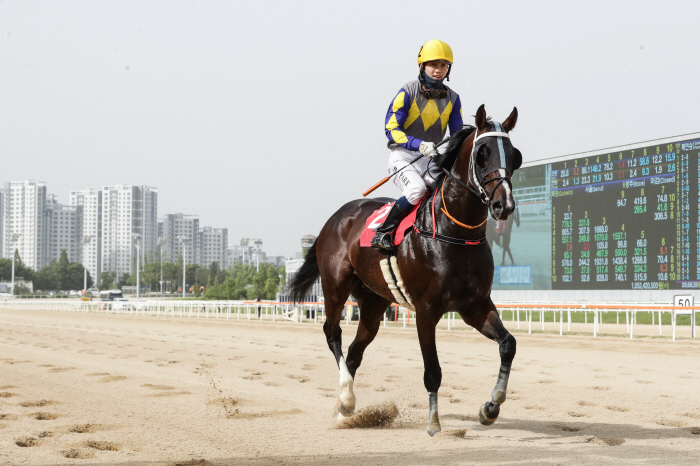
335,296
346,399
372,307
490,325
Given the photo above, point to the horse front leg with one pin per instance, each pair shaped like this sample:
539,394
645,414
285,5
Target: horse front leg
490,325
432,376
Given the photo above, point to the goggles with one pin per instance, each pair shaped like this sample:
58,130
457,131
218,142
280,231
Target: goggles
434,93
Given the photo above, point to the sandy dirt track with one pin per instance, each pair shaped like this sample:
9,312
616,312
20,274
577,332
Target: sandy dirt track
117,390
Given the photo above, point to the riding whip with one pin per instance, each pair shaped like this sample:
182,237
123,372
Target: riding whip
399,171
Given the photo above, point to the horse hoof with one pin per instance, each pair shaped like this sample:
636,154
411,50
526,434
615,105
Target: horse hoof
344,411
434,427
484,419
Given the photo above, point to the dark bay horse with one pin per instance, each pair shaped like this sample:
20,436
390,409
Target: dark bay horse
439,276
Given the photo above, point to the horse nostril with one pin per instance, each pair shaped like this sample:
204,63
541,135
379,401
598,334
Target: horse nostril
497,207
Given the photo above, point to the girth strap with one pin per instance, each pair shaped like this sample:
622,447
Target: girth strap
449,239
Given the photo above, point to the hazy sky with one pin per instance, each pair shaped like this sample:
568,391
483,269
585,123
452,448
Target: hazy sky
266,117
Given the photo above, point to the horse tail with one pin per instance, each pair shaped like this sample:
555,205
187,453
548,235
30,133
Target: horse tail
305,277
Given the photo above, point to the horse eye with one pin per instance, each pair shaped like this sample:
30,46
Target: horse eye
516,158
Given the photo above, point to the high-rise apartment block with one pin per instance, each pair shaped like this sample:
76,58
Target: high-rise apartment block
214,244
2,210
179,228
91,235
24,222
64,226
129,215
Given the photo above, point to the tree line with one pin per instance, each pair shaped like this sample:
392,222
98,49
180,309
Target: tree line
241,281
60,274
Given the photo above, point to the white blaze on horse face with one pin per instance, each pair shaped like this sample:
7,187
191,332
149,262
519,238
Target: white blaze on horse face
505,185
347,396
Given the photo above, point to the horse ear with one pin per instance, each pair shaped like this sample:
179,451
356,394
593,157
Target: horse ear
509,124
480,118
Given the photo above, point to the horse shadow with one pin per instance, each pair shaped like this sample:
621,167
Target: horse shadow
566,429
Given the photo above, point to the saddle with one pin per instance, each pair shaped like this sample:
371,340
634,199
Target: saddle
376,219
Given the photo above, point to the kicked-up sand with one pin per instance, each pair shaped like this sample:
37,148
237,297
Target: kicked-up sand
120,390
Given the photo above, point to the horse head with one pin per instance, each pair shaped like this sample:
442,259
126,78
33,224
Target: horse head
492,159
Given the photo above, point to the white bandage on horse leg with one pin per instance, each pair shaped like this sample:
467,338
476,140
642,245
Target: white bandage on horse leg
347,396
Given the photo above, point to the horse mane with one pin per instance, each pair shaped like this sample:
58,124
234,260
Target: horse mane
449,157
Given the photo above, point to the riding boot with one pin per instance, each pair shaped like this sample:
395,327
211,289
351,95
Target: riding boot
384,236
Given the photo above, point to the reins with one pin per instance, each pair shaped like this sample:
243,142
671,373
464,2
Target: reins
480,193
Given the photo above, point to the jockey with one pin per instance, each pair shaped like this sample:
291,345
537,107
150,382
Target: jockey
417,119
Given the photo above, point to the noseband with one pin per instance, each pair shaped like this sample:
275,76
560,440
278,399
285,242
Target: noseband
476,183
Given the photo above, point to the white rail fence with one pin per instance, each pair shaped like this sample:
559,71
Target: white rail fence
519,313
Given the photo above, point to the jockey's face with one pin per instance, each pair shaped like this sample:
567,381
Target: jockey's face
436,69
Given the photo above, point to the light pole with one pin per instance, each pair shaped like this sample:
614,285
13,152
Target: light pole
161,241
183,240
86,241
14,237
136,237
257,243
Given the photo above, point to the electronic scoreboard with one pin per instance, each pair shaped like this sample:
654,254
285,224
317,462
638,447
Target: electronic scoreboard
627,220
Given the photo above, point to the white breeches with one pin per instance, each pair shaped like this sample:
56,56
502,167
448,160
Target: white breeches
414,180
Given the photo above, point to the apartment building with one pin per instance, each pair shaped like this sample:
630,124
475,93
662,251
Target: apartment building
2,210
177,228
64,230
214,245
129,215
91,202
24,221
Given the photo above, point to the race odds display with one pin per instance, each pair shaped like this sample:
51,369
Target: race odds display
627,220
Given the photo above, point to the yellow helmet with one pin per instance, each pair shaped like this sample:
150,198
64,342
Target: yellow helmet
435,50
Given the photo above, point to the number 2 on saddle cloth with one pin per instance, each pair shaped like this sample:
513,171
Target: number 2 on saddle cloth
375,220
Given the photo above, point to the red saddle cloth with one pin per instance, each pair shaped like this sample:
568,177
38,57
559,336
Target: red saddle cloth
375,220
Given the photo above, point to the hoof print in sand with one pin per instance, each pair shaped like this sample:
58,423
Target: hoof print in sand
61,369
112,378
36,404
299,378
85,428
671,423
27,442
619,409
76,453
102,445
43,416
193,463
568,428
610,442
7,394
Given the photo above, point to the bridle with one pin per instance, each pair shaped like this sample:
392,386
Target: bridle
476,182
